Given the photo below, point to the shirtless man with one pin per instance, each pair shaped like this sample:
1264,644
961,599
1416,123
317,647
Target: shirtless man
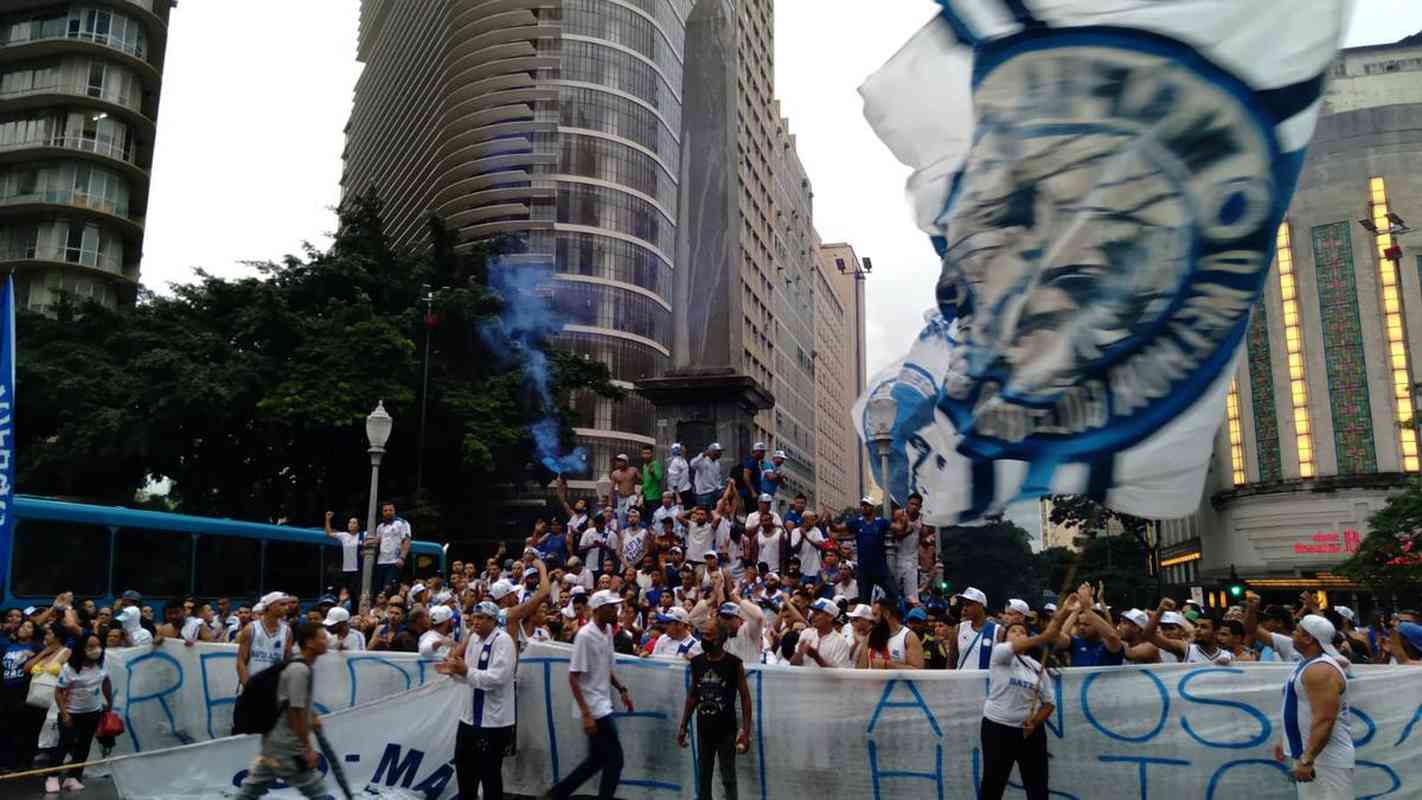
626,487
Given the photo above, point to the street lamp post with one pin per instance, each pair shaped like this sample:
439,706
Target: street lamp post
879,430
860,273
377,431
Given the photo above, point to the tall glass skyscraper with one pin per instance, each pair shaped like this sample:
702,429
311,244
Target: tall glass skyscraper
559,123
79,87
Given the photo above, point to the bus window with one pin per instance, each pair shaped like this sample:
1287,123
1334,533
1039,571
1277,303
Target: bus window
54,557
228,566
331,573
294,568
152,562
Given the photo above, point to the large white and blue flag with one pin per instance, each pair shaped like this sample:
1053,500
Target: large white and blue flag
1103,180
7,421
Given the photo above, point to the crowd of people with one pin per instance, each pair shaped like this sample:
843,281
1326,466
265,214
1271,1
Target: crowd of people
716,578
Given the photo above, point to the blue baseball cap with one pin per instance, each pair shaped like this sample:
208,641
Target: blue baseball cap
916,615
729,610
1412,632
826,606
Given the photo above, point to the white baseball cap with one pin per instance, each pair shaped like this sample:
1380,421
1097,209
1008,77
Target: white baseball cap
1176,618
1321,629
866,501
676,447
1136,616
444,596
711,554
826,606
622,457
674,614
758,446
336,616
1050,608
974,595
441,614
606,597
500,589
861,611
1346,613
715,446
765,498
779,454
273,597
1020,606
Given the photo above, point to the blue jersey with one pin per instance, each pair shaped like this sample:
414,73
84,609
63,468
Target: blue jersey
1095,654
869,537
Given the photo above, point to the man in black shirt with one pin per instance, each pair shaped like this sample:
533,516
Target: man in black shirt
716,678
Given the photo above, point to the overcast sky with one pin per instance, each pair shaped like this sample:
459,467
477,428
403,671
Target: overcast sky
250,136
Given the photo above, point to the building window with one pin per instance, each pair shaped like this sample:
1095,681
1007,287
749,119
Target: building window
1261,389
1343,355
1293,341
1392,323
1236,433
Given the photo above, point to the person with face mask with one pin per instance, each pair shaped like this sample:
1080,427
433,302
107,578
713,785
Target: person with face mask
717,679
81,683
485,664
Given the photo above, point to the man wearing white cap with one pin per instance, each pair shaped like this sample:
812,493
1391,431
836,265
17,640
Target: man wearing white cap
677,641
743,619
748,475
820,646
485,664
339,635
1315,716
971,648
771,477
505,596
861,621
1016,611
762,510
591,679
1203,649
267,641
1131,629
679,477
707,478
436,642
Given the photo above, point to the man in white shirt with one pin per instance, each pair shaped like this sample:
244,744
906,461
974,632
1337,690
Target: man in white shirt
669,508
436,642
707,476
486,665
339,634
599,542
769,537
591,680
349,540
679,477
578,575
754,519
805,542
820,646
677,641
393,542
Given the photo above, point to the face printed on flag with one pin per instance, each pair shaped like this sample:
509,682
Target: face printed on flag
1106,218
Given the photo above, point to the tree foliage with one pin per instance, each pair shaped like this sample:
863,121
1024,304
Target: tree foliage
1122,565
996,558
251,394
1054,565
1389,560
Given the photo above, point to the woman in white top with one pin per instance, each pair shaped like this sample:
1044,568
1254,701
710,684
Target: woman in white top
1020,699
80,707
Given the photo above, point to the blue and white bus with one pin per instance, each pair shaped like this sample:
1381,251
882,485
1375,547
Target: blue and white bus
100,552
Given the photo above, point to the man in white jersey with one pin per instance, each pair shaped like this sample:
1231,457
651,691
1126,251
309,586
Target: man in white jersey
1204,649
971,648
745,621
393,536
267,641
485,664
906,531
820,645
340,637
677,641
436,642
1315,710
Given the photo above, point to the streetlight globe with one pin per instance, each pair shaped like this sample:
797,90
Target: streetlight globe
378,425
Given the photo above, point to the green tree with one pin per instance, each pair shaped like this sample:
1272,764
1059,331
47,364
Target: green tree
1054,564
1095,520
996,558
251,394
1389,560
1122,565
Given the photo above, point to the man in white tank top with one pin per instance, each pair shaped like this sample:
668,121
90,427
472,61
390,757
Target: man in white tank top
1315,711
971,648
267,641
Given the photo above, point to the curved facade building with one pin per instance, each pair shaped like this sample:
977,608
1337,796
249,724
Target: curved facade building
79,89
1322,420
556,122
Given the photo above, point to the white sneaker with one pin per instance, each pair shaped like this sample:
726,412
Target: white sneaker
73,785
51,785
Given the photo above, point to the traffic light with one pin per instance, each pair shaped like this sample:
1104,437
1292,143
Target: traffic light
1236,587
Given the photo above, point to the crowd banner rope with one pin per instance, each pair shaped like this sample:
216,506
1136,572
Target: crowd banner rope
1177,731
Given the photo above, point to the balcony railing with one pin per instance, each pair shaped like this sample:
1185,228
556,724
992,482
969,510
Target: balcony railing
132,100
108,149
70,197
108,262
138,50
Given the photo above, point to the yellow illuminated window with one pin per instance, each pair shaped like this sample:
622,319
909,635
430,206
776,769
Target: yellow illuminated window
1393,325
1293,344
1236,434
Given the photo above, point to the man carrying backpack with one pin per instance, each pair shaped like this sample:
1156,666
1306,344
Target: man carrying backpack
287,750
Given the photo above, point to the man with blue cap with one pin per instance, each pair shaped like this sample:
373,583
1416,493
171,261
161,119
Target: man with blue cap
820,644
485,664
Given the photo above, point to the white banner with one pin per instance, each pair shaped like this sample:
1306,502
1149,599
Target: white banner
1169,731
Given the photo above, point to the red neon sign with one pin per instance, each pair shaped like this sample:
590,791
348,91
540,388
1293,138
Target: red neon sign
1330,543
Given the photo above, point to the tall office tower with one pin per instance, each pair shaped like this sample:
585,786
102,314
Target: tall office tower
79,87
1322,418
839,375
555,122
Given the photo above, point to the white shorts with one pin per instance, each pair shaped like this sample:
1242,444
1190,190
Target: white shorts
1329,783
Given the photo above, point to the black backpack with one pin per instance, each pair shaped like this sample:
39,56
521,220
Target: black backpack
257,710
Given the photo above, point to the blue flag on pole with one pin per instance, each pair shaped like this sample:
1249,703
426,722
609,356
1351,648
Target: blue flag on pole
1103,181
7,422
